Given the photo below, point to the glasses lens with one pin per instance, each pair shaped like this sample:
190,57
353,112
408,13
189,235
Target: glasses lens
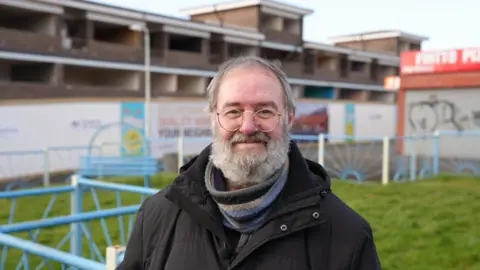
266,120
230,120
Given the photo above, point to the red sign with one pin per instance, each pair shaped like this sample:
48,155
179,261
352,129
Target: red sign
440,61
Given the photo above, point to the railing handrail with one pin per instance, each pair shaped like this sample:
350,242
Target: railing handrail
116,187
50,253
65,220
35,192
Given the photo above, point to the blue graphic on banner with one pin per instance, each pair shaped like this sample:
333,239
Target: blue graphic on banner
133,133
350,120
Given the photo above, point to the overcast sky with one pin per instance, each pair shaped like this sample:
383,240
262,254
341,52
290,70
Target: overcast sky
448,23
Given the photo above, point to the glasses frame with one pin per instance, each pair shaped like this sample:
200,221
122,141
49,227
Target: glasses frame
278,115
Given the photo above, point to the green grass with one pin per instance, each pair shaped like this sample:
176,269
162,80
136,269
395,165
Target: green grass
428,224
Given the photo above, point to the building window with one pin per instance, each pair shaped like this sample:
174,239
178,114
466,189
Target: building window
184,43
292,26
404,46
343,59
415,47
374,69
357,66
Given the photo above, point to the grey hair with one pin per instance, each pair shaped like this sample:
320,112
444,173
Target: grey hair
245,61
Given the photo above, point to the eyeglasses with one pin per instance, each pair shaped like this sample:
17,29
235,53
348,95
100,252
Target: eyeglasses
265,120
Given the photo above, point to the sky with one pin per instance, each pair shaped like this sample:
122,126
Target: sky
449,24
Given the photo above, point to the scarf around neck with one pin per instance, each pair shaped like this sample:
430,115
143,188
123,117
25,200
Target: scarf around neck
244,210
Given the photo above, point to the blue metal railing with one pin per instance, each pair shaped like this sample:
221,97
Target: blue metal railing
343,154
80,228
49,253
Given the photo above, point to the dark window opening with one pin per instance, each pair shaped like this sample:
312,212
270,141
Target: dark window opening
325,61
415,47
113,34
184,43
75,28
374,69
309,62
343,59
237,50
19,19
216,47
275,54
357,66
31,72
292,26
76,32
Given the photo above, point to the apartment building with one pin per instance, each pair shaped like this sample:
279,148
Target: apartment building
78,49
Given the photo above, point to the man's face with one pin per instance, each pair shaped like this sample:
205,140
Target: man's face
249,147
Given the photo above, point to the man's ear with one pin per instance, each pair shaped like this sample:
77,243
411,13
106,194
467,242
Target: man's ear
291,117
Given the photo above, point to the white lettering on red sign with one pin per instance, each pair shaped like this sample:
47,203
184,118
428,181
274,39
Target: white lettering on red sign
436,58
471,55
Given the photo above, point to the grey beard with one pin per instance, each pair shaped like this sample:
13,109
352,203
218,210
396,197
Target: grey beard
242,169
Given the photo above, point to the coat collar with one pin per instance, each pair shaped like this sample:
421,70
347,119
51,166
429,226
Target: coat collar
305,177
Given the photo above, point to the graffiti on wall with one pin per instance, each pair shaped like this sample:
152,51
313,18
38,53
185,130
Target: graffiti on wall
435,114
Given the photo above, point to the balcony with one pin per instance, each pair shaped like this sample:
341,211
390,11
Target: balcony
76,91
324,66
184,59
25,41
282,37
115,52
293,68
24,90
325,74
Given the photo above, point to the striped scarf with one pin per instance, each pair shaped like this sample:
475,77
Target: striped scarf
244,210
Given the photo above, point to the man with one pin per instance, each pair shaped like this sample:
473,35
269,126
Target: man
250,200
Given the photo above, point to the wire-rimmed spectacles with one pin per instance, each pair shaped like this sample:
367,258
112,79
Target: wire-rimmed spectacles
265,120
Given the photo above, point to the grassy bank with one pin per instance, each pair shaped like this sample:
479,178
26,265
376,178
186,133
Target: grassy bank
428,224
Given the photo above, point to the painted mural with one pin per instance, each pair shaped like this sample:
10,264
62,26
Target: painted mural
132,137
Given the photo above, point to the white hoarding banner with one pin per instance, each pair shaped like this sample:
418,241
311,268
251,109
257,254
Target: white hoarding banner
173,119
34,128
39,126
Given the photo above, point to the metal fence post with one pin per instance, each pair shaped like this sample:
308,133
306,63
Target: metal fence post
46,169
436,153
101,152
321,149
386,160
413,165
114,257
76,204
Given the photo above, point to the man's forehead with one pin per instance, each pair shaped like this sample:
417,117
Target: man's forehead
259,73
259,87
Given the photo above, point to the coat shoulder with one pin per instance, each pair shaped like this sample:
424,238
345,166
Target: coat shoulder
345,220
158,210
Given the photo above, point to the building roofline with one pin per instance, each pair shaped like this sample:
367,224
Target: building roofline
34,6
377,35
246,3
130,15
154,18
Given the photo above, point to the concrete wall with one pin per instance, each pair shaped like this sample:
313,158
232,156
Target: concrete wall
433,110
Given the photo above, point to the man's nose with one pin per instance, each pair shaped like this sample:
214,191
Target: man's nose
248,126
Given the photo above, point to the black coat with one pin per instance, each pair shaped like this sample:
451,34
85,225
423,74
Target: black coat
308,228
